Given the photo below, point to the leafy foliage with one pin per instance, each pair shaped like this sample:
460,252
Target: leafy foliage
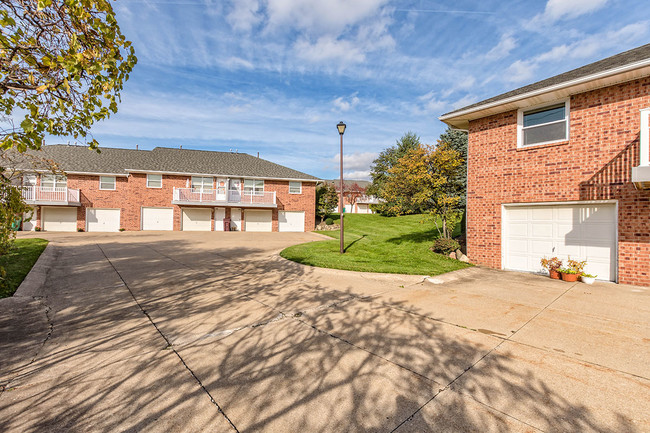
326,200
12,206
424,178
552,264
445,246
62,66
457,140
353,192
379,171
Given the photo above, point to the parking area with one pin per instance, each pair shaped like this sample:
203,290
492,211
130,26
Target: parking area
177,331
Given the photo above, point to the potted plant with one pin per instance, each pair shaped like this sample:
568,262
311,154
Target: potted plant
588,278
573,270
552,265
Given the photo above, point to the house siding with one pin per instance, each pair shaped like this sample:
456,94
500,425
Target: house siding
594,164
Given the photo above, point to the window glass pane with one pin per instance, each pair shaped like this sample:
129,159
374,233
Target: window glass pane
259,185
29,180
294,187
154,180
544,115
540,134
47,181
201,182
106,182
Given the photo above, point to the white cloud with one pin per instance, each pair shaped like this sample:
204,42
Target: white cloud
566,9
432,103
328,49
244,15
355,165
520,71
502,49
357,175
344,104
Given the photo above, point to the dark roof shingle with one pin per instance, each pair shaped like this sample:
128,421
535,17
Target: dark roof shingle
118,161
618,60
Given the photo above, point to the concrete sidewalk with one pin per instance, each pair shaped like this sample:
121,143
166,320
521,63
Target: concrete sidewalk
213,331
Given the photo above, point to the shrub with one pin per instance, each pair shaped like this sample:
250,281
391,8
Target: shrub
329,221
445,246
551,264
122,229
80,229
37,228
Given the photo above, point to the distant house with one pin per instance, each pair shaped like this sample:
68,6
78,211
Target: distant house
561,168
166,189
354,195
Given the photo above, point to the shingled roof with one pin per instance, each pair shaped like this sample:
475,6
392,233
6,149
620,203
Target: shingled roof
80,159
611,63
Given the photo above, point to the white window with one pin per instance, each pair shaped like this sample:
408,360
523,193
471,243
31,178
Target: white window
154,181
107,182
202,183
543,125
50,182
29,180
295,187
253,186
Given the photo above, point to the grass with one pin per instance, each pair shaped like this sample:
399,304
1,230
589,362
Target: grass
374,243
19,262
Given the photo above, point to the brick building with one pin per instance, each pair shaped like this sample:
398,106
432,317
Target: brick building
165,189
561,168
355,199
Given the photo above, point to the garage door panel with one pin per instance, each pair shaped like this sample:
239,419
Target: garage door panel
291,221
258,220
102,220
583,232
59,219
154,218
196,219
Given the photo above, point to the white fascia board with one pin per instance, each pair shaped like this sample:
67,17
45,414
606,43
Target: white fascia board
611,73
181,173
87,173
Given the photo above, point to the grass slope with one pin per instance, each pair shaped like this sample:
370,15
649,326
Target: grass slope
374,243
19,262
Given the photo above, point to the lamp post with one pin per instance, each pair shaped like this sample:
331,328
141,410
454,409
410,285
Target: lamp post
341,128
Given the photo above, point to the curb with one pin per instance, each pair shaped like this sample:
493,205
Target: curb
35,279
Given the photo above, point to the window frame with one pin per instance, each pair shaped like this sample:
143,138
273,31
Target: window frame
57,179
520,123
154,174
203,186
299,186
255,189
114,179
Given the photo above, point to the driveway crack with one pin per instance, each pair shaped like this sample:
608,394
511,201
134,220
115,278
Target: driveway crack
169,344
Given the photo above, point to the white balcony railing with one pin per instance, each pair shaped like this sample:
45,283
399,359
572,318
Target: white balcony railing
212,196
45,195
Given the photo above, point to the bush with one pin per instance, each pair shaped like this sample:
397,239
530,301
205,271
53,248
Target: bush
80,230
329,221
122,229
445,246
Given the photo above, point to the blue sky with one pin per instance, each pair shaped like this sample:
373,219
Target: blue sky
276,76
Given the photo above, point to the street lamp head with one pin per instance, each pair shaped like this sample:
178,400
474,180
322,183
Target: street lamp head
341,127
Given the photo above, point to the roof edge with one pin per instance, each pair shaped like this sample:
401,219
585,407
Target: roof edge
183,173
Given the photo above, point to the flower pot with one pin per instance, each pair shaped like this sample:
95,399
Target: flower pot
569,277
553,273
587,280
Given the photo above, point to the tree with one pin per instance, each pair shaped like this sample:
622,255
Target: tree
424,178
63,64
353,192
326,200
379,171
457,140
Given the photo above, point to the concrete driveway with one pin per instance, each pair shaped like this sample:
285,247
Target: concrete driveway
214,332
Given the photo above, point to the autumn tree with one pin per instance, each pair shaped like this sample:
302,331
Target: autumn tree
326,200
424,178
457,140
62,67
379,170
353,192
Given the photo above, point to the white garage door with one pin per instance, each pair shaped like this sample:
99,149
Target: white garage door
258,220
102,220
157,218
584,232
59,219
291,221
197,219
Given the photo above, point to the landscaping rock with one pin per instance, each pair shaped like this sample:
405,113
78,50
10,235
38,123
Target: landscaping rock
464,258
459,254
452,255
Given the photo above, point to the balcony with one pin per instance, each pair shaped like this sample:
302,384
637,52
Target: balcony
368,199
212,197
60,196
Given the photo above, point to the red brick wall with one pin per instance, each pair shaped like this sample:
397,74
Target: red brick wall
595,164
131,194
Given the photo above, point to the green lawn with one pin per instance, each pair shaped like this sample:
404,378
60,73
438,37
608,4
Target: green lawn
374,243
19,261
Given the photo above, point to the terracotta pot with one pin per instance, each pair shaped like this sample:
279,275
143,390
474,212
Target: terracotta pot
553,273
569,277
